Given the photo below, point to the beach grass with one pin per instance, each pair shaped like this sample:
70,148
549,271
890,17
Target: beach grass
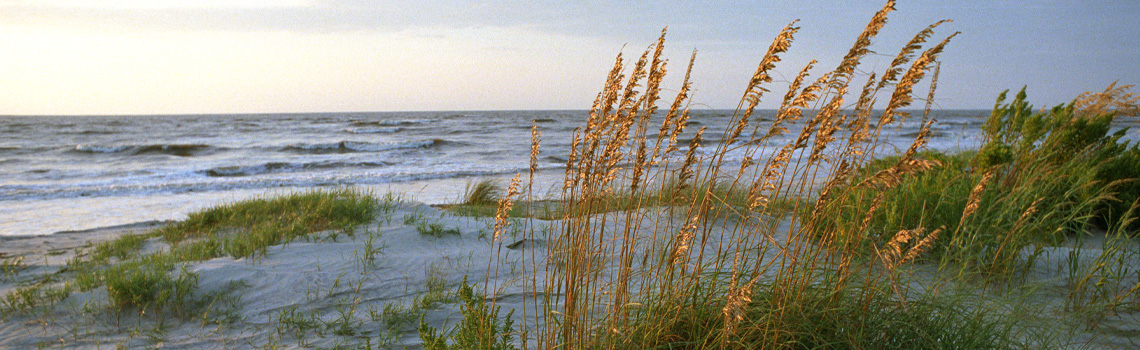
482,192
141,280
804,246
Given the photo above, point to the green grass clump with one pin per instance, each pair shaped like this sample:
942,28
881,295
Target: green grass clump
242,229
148,284
820,317
483,192
435,229
263,222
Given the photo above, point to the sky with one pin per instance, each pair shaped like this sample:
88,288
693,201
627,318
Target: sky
92,57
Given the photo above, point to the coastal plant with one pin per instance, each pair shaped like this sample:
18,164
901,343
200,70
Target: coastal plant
413,218
1038,179
437,291
480,328
31,297
435,229
221,307
482,192
12,266
1105,285
386,205
153,284
1075,135
367,254
121,248
701,249
344,324
276,220
149,285
297,323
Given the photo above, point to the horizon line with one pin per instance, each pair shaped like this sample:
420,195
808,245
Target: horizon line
397,111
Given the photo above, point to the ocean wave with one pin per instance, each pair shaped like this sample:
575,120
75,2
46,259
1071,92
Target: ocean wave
392,122
95,132
387,130
237,170
242,178
181,150
100,149
354,146
279,167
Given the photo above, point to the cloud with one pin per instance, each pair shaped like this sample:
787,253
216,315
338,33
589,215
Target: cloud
157,4
619,20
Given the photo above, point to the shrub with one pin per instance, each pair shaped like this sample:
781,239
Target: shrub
480,327
483,192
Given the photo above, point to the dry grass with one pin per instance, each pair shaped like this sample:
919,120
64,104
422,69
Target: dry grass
682,259
735,244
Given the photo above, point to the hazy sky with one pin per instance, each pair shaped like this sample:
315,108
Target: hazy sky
239,56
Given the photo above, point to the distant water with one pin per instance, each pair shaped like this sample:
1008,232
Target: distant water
71,173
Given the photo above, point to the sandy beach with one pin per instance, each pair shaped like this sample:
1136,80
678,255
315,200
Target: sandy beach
369,289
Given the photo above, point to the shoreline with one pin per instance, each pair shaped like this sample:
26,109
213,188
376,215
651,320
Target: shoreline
57,248
42,218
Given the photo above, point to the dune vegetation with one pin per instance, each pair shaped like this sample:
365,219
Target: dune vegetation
833,265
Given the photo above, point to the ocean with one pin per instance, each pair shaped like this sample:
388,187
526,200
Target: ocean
65,173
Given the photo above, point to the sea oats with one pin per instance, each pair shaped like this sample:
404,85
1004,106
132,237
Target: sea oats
686,171
922,246
891,177
1112,99
901,98
793,88
894,246
906,53
683,241
875,204
831,121
673,124
1025,215
735,302
846,67
535,137
975,199
755,88
502,212
773,170
838,179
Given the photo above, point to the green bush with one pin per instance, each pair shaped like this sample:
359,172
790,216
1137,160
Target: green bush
1053,173
1067,137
